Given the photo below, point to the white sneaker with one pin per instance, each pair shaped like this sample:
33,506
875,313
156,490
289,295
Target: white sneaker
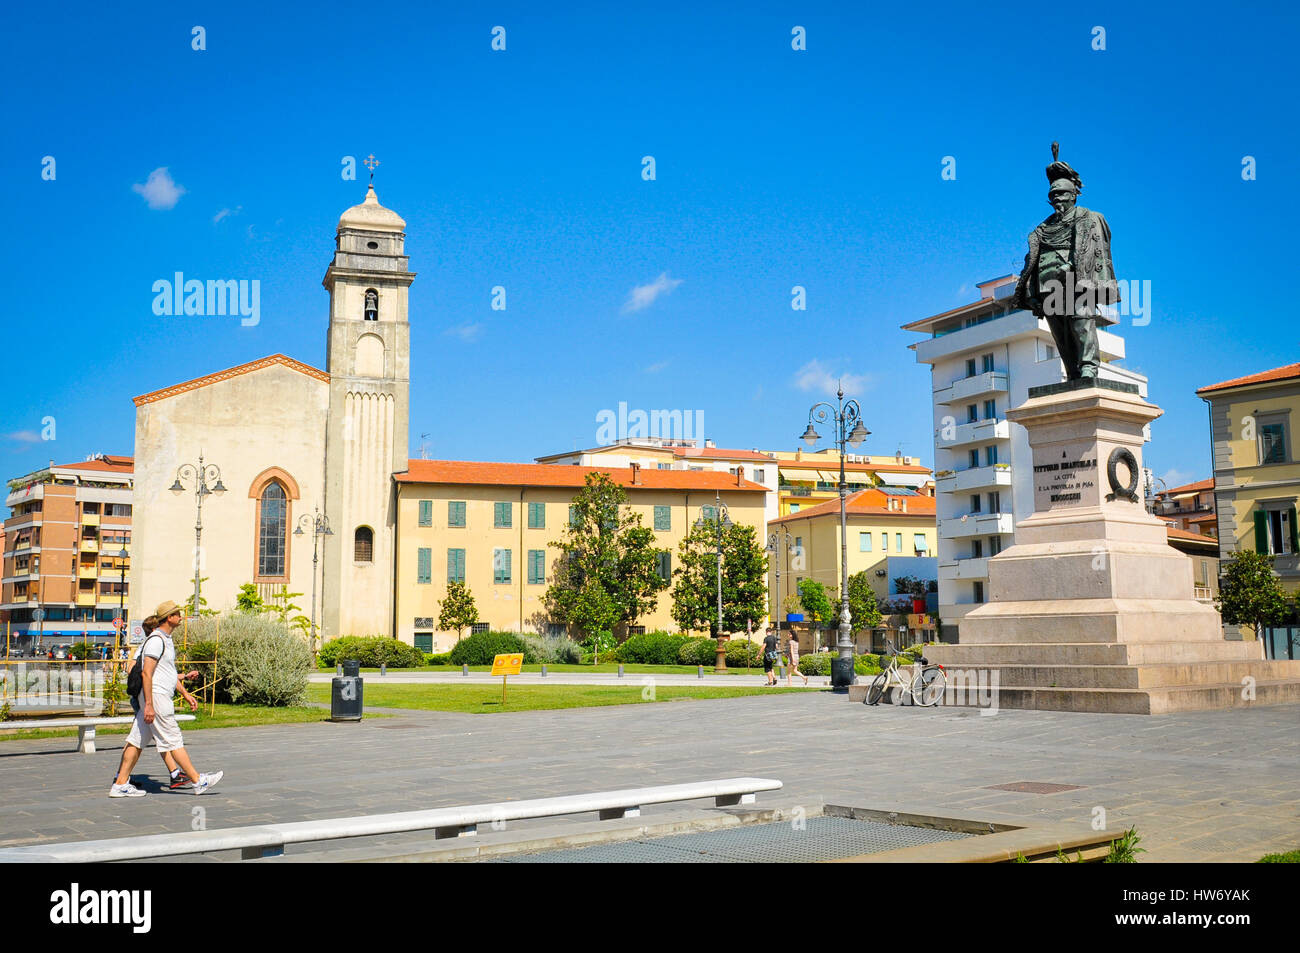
206,781
126,790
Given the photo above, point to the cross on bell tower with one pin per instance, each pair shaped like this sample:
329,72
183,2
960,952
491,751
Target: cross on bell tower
371,163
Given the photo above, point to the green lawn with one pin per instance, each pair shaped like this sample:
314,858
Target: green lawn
487,698
225,716
604,667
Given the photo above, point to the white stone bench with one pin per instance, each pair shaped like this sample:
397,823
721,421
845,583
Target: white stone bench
85,726
269,840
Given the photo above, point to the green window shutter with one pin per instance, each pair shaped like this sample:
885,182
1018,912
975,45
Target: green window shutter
664,565
536,566
456,513
1295,543
537,516
501,566
455,565
424,572
1261,532
663,519
426,512
501,515
573,515
424,642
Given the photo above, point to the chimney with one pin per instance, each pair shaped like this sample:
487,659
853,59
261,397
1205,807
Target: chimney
904,504
636,474
740,475
710,445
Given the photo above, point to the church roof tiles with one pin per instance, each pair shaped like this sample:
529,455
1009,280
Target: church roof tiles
229,373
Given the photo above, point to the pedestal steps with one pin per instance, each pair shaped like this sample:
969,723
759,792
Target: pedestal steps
1148,701
1091,620
1094,653
1168,675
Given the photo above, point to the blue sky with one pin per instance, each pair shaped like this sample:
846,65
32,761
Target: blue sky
522,169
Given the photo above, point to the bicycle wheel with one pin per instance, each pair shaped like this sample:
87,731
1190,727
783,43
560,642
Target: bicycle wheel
929,686
877,689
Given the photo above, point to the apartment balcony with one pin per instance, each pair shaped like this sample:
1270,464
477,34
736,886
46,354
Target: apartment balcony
974,568
36,492
982,431
88,572
972,388
89,519
86,599
790,490
980,336
13,524
977,524
90,545
975,478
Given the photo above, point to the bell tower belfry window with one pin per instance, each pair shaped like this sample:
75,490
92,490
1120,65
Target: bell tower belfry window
372,304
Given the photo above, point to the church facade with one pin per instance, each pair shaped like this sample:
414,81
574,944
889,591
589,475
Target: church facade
280,441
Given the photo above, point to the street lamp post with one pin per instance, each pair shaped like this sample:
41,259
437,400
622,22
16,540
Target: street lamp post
320,526
121,601
722,520
847,421
202,474
774,547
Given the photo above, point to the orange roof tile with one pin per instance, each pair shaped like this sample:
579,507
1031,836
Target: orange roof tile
110,464
720,453
807,464
1196,487
1263,377
1175,533
232,372
470,473
870,502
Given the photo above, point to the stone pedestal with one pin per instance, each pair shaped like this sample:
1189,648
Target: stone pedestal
1091,609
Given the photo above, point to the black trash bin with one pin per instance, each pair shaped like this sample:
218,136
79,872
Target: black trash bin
346,693
842,675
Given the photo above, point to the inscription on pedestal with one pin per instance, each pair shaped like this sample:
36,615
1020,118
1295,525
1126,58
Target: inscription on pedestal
1065,477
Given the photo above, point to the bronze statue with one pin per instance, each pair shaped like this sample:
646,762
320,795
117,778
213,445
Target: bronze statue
1068,273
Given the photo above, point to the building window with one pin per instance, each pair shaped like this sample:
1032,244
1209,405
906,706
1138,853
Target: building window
990,409
456,513
972,458
760,475
664,565
272,522
995,501
1275,530
970,367
363,545
864,542
501,566
424,642
976,549
978,588
919,543
455,565
990,455
117,509
975,503
501,515
884,542
426,512
972,413
424,570
1272,439
573,515
995,545
536,567
794,507
898,542
987,363
663,519
663,466
478,627
636,630
537,516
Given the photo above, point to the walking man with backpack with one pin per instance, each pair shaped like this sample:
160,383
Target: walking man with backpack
156,717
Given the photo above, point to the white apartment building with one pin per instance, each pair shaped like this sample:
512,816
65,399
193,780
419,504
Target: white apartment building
984,357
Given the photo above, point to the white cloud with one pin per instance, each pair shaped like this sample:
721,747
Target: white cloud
227,212
466,332
642,296
816,376
24,436
160,189
1175,478
656,367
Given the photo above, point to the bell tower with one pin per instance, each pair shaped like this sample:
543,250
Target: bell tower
368,357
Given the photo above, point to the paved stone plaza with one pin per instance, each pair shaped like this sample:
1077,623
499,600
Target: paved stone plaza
1200,786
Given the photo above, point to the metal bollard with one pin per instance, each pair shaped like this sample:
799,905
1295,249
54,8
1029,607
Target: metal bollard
620,670
543,671
699,671
338,669
464,670
383,668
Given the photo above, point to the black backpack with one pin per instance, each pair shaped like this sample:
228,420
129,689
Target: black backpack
135,677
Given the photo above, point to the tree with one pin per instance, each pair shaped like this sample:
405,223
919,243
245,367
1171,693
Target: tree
248,600
815,602
1249,593
607,570
744,579
457,610
863,607
202,608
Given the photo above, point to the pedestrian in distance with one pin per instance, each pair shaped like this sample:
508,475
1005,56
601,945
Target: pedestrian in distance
770,657
156,717
794,662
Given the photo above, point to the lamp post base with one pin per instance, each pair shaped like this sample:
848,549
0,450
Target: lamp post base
842,675
720,663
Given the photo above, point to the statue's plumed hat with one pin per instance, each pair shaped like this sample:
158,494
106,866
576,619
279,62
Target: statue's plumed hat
1061,170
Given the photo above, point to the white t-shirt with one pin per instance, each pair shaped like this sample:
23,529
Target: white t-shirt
160,646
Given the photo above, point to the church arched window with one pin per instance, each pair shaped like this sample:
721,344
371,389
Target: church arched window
372,304
272,527
363,545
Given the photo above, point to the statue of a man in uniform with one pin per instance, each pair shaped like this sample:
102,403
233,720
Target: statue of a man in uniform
1068,273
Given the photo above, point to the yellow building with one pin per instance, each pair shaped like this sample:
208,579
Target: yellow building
806,479
891,533
1257,478
491,526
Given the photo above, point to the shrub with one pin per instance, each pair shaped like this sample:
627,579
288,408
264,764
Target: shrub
481,647
202,650
818,663
553,650
371,652
742,652
652,648
443,658
80,650
261,660
698,652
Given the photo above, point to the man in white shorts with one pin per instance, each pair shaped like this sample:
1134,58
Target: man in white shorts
156,719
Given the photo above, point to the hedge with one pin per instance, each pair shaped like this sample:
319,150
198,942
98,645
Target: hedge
698,651
742,651
482,647
819,663
651,648
372,652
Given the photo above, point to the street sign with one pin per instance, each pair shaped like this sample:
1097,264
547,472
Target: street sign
117,622
38,615
508,664
136,628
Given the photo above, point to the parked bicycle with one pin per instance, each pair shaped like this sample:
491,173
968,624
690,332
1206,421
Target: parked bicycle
928,683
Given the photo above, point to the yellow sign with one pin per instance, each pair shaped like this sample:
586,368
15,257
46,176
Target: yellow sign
508,664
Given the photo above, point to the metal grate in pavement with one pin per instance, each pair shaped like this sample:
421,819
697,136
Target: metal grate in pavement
821,838
1034,787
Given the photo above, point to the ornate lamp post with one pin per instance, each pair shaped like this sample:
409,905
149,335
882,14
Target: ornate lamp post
320,526
722,520
847,421
774,547
122,556
203,475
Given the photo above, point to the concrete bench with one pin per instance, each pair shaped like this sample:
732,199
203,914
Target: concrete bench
85,726
269,840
